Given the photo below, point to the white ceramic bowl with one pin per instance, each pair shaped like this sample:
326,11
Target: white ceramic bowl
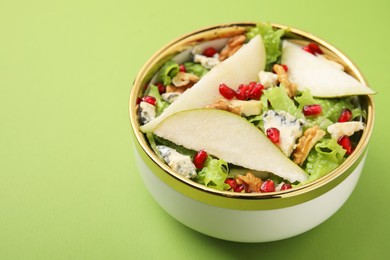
259,217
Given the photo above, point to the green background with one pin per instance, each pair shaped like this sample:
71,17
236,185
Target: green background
69,188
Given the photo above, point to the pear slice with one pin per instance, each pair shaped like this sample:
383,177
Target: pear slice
241,67
322,78
228,137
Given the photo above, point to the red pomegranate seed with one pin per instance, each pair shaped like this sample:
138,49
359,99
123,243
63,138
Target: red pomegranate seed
345,116
286,186
138,100
200,158
284,67
209,52
273,134
161,87
312,110
149,99
267,186
232,183
182,68
308,49
315,48
256,91
226,92
242,92
345,142
240,188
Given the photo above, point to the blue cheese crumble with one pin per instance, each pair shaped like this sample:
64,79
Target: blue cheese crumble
181,164
290,129
146,112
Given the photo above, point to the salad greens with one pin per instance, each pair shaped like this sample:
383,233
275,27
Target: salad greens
272,41
214,174
326,156
167,72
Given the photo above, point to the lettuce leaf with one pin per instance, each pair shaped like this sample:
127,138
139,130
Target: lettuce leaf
161,104
214,174
325,157
272,41
331,109
167,72
280,101
195,68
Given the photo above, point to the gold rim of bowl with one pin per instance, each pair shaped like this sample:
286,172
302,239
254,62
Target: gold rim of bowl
244,201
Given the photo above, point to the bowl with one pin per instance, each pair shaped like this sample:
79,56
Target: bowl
257,217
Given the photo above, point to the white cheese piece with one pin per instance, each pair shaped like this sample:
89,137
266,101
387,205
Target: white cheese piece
170,97
248,108
181,164
207,62
290,129
268,79
146,112
337,130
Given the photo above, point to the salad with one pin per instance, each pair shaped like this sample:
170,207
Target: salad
314,132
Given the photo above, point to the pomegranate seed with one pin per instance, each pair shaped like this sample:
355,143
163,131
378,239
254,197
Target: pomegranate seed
209,52
308,49
345,116
267,186
315,48
149,99
240,188
273,134
232,183
138,100
161,87
242,92
286,186
182,68
200,158
226,92
345,142
256,91
312,110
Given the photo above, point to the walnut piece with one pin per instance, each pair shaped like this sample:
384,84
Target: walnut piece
223,105
253,182
233,45
184,79
291,88
307,141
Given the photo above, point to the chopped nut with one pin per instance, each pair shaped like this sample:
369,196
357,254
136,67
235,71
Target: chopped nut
307,141
291,88
251,180
223,105
233,45
184,79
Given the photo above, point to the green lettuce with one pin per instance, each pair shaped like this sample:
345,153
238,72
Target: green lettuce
161,104
325,157
214,174
272,41
280,101
195,68
167,72
331,109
